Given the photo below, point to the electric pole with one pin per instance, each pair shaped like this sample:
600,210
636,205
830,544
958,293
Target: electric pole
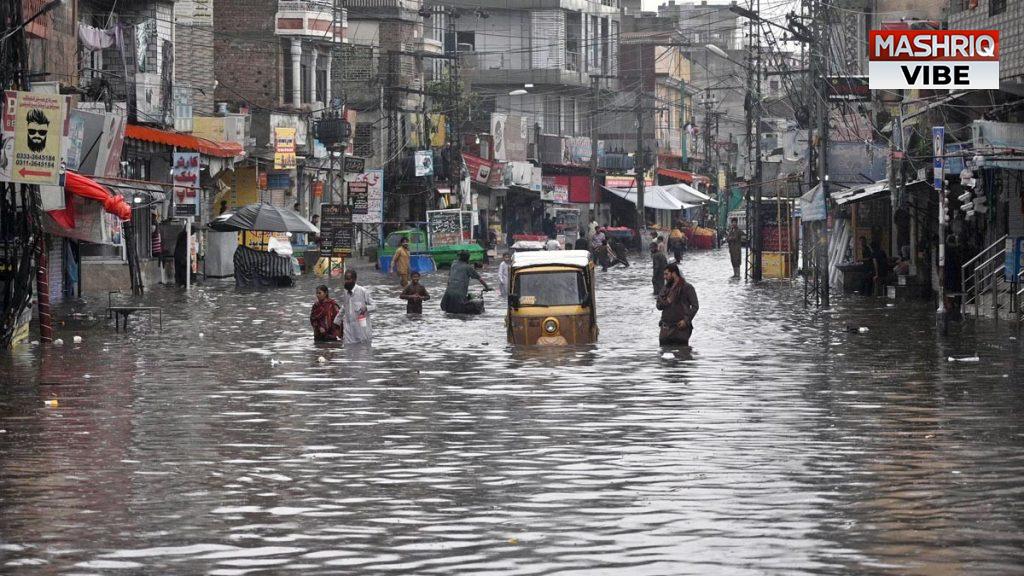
756,269
640,165
594,99
821,52
640,157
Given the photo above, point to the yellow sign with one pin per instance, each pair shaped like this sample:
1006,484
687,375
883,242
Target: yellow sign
284,148
38,132
438,134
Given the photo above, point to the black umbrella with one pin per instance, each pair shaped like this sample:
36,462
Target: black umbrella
262,218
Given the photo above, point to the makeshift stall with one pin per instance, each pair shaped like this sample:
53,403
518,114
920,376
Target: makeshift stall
779,248
258,268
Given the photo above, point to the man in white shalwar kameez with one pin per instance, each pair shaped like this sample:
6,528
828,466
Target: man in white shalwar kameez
356,306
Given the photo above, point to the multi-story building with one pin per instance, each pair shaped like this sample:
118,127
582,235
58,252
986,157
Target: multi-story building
549,53
702,23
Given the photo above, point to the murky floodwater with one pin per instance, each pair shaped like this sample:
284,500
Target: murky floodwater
784,444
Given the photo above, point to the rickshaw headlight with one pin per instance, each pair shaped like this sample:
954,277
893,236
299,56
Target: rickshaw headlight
550,326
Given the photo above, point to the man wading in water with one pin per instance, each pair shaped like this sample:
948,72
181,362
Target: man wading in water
678,305
456,298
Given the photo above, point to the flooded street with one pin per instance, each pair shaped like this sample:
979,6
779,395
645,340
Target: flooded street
787,442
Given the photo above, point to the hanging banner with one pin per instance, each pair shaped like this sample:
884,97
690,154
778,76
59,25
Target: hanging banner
424,163
185,177
284,149
374,180
38,123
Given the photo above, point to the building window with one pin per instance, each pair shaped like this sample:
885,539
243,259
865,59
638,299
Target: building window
466,38
321,85
996,7
362,145
552,115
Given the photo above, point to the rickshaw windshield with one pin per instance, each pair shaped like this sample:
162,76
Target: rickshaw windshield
550,289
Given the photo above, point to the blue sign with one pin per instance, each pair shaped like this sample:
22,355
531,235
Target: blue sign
939,152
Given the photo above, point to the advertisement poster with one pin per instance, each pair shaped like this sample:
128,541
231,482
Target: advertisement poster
284,148
374,180
424,163
185,177
38,122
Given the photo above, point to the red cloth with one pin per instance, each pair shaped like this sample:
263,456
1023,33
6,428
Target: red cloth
78,185
321,317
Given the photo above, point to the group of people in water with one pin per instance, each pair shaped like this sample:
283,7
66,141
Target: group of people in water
348,319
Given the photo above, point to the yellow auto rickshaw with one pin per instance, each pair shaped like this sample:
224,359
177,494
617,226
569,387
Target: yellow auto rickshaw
551,299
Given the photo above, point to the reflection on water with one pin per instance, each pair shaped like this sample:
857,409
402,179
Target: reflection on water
782,443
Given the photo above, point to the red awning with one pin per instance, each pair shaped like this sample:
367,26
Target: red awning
683,176
75,183
187,141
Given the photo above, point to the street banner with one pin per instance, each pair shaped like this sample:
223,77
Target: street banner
374,180
424,163
185,177
284,149
38,123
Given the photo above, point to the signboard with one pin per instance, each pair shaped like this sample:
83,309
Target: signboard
483,171
444,227
359,197
38,123
510,134
554,192
284,148
933,59
414,125
939,153
336,231
424,163
848,89
354,165
185,177
374,196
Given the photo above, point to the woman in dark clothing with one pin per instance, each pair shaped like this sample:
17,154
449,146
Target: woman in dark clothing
678,305
321,317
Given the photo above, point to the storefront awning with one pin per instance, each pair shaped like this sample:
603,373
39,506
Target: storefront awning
683,175
689,194
655,197
79,185
860,193
186,141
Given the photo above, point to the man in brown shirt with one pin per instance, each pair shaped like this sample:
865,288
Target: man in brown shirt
678,305
400,262
414,295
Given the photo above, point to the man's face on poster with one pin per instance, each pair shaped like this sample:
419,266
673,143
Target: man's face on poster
38,126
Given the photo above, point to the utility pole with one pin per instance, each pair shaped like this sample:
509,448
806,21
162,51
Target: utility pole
640,157
595,82
758,237
640,166
821,52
